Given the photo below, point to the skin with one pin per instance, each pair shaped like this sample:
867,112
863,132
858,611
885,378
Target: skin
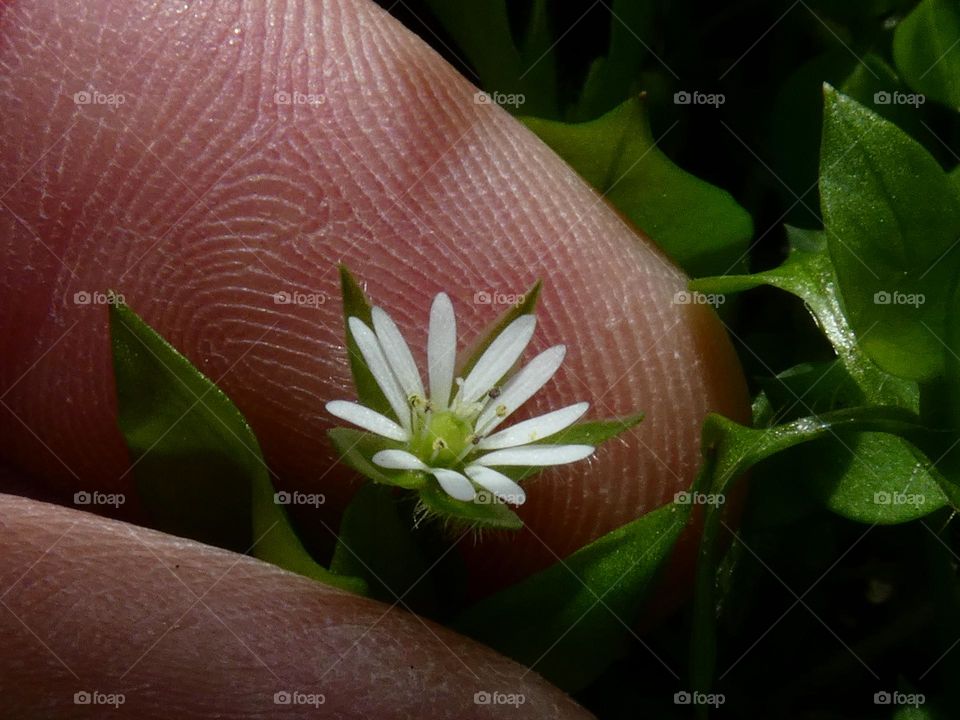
200,197
243,629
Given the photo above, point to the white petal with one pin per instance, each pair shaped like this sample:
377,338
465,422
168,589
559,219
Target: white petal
377,362
441,350
454,484
536,455
397,352
536,428
398,460
367,419
521,387
498,358
497,483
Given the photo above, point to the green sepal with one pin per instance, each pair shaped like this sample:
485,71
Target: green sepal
472,354
356,448
356,304
493,515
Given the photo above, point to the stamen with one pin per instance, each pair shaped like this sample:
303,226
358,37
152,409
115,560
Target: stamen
468,448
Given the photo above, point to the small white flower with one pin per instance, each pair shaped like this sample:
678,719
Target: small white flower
453,439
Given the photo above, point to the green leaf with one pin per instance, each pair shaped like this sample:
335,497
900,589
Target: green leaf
892,253
955,176
820,387
355,304
845,474
882,479
729,450
573,619
697,224
866,477
808,273
375,544
197,464
926,49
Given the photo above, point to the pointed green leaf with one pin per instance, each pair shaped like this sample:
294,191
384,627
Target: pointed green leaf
700,226
884,479
570,621
197,464
894,258
809,274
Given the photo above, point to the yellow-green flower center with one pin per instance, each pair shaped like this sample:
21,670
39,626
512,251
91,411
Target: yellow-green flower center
444,440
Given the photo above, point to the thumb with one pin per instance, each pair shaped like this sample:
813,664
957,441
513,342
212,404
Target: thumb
158,627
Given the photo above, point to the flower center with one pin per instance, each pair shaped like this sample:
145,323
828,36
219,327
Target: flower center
444,440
